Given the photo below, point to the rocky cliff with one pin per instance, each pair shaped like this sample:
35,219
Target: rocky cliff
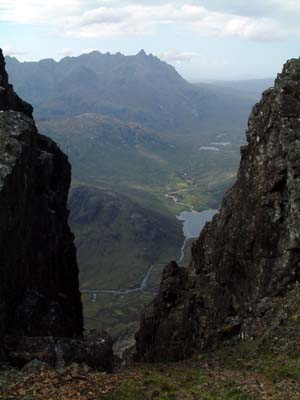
39,293
9,100
250,252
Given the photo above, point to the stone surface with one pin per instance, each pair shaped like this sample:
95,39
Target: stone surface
39,292
34,366
93,350
250,252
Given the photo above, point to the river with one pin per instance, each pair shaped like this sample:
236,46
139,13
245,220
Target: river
142,287
193,223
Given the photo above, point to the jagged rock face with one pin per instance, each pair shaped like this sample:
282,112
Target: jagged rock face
251,249
39,293
9,100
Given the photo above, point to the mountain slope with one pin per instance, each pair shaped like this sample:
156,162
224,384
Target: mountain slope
106,225
104,147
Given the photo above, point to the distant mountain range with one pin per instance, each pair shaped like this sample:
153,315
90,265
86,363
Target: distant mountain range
252,88
139,88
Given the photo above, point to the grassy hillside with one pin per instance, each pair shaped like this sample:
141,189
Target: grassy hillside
135,161
105,147
106,224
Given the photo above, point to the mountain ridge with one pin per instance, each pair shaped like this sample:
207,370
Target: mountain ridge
139,88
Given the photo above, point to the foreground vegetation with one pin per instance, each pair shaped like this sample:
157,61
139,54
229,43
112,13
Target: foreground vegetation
266,367
221,376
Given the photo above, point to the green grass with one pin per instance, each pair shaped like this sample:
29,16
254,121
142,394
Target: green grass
279,367
114,313
178,381
233,394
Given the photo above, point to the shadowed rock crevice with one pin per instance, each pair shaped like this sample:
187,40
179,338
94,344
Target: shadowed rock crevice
251,249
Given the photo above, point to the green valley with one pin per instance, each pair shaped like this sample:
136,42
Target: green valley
144,145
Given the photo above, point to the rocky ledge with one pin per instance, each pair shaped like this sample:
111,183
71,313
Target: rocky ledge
250,253
92,350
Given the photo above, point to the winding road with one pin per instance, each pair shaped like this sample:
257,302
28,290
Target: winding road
171,196
141,288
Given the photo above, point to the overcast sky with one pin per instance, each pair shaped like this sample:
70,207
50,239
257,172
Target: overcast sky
203,39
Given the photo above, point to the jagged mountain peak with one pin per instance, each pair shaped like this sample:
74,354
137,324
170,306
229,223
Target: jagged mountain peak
142,53
139,88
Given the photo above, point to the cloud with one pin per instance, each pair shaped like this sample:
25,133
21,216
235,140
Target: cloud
194,63
136,19
178,57
66,52
10,50
100,18
266,8
289,6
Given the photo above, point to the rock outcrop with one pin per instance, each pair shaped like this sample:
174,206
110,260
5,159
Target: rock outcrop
9,100
39,294
250,252
94,350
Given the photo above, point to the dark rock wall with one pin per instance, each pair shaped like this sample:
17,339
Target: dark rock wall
39,294
251,249
9,100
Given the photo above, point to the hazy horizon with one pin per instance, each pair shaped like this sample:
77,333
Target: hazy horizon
189,79
203,39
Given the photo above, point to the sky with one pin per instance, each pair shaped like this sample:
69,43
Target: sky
203,39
